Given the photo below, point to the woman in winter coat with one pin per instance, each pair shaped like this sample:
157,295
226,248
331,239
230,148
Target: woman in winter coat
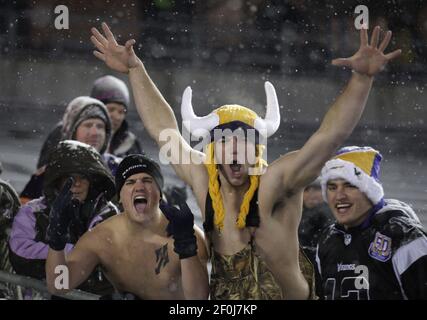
92,188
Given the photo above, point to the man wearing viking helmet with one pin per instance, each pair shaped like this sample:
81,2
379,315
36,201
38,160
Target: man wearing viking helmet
251,220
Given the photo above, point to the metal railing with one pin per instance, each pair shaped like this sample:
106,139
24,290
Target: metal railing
40,286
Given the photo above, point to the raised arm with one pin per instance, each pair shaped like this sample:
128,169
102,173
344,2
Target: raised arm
81,260
304,165
156,114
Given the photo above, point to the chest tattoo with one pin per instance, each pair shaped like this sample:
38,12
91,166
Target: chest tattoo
162,258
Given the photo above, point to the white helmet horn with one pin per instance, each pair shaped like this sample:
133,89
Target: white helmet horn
271,122
193,123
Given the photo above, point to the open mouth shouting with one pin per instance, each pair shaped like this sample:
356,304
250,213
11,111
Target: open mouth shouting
236,169
140,203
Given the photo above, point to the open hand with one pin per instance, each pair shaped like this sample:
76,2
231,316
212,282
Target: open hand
117,57
370,58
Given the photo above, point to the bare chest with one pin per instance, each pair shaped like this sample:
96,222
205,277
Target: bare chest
149,269
230,239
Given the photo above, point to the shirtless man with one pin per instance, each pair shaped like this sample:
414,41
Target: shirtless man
134,248
226,190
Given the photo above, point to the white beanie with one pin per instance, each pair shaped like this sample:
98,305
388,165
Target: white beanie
359,166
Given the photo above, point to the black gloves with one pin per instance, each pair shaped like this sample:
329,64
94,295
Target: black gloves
60,217
181,226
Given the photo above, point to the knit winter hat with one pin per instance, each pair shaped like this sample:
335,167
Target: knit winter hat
110,89
358,165
81,109
137,163
91,111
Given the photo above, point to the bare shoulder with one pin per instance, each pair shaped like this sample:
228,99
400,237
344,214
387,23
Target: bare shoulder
284,161
279,168
187,162
199,173
102,233
273,188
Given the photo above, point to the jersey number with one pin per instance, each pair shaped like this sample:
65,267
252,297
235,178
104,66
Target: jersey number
351,288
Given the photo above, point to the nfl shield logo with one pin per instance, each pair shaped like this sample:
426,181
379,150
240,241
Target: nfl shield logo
380,248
